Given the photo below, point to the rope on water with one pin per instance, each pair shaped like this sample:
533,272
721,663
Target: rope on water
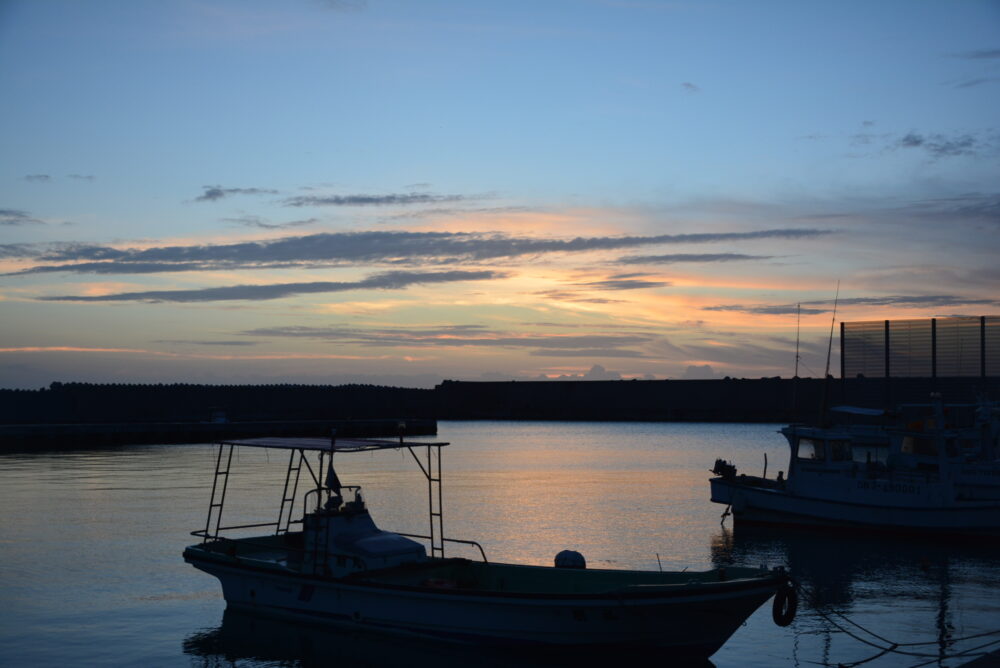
886,646
965,654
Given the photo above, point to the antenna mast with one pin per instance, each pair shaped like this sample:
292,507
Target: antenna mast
798,325
829,350
795,378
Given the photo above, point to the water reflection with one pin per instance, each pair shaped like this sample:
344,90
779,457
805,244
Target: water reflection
896,591
262,641
622,494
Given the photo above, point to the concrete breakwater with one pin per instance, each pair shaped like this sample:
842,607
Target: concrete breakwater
189,413
782,400
72,436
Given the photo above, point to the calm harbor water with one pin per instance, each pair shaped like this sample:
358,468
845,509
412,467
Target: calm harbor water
92,572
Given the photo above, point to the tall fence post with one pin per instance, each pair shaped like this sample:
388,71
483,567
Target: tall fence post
888,373
934,348
982,346
843,377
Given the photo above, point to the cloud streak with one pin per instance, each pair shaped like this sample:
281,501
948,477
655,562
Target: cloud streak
194,356
440,212
908,300
24,250
558,345
257,221
935,144
809,307
782,309
207,342
393,280
404,199
675,258
978,81
980,54
939,145
215,193
18,251
624,284
977,207
590,353
565,296
16,217
368,247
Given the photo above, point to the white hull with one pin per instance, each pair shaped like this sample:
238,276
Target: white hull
768,505
692,620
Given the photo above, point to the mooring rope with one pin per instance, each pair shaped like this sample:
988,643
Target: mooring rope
888,646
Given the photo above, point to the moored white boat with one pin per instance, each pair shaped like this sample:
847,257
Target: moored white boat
340,568
928,468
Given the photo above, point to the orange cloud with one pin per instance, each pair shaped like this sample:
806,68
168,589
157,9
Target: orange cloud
200,356
561,223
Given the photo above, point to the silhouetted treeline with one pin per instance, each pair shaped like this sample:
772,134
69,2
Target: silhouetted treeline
726,400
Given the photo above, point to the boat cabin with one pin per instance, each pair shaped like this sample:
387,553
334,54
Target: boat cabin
925,438
340,538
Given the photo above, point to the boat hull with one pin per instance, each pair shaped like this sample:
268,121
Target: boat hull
767,505
691,621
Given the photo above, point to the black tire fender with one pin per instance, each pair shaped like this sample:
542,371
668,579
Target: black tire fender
786,604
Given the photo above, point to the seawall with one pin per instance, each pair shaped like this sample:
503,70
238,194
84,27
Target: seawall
723,400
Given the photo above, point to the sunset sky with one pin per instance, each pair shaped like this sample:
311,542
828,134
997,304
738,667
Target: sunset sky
399,192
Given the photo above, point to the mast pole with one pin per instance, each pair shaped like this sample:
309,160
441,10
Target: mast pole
829,351
795,377
798,325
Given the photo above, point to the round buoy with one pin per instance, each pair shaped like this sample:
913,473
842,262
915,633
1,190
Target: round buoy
570,559
786,603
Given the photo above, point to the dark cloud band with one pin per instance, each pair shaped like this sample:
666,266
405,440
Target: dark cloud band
195,342
609,345
214,193
810,307
941,146
370,247
393,280
675,258
624,284
14,217
371,200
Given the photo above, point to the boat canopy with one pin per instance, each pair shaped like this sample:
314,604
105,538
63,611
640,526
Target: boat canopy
329,444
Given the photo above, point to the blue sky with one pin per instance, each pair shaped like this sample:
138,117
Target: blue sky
402,192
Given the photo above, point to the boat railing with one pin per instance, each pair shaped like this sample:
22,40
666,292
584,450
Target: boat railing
450,540
210,540
207,535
